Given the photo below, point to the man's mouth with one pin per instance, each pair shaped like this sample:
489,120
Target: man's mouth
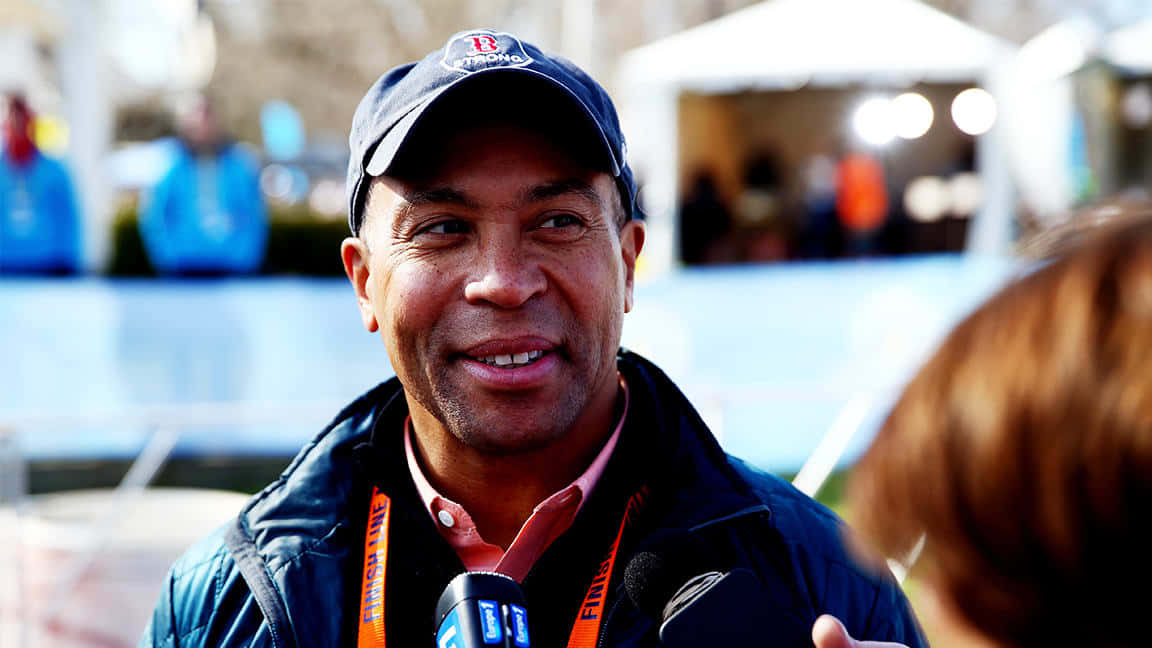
512,360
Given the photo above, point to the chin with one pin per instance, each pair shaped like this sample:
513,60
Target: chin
500,435
510,426
507,447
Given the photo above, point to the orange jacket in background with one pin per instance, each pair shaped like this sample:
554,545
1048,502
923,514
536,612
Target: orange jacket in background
861,195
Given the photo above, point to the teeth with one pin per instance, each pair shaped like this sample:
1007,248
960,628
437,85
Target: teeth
511,360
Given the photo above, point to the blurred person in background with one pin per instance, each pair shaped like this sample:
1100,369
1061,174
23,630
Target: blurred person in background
494,245
1022,454
39,220
764,226
206,216
861,201
705,223
819,229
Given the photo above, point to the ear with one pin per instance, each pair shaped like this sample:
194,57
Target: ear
355,255
631,242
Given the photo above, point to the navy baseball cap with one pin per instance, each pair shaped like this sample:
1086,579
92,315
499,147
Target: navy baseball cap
394,105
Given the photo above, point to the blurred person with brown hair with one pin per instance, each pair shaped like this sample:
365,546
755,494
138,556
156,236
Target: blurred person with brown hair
39,221
1022,455
206,216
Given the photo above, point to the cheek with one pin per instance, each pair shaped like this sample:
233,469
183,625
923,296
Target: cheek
413,299
595,287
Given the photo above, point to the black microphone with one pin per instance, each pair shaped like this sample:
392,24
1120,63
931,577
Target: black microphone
696,606
482,610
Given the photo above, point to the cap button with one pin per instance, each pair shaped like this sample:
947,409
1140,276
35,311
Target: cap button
446,518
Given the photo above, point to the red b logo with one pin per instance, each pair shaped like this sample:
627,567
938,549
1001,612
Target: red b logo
484,44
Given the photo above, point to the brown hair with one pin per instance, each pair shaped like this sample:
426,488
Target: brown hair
1023,453
1083,224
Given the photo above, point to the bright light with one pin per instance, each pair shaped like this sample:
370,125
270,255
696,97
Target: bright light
967,193
974,111
873,121
1136,106
327,198
276,181
926,199
912,115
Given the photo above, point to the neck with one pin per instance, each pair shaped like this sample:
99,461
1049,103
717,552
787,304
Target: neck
499,491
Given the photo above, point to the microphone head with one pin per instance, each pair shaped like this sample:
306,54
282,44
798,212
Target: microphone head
478,585
668,560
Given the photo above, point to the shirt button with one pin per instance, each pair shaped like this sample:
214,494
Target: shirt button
446,518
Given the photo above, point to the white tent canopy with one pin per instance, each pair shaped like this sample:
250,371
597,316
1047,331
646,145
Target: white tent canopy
1130,47
782,44
820,42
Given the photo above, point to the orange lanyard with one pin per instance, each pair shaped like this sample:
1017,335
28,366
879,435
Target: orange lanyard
587,626
371,626
371,633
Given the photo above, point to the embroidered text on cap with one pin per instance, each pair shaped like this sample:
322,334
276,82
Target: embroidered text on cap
480,50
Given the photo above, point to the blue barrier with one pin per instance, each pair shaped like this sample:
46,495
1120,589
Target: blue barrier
770,354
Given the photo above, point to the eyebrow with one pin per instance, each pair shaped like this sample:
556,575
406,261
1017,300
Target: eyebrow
434,196
565,187
538,193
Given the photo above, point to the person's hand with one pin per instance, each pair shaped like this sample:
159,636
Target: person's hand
828,632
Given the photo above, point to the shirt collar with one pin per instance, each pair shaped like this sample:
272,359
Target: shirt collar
584,484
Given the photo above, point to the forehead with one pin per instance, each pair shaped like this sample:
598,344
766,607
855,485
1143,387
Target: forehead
501,168
492,167
490,149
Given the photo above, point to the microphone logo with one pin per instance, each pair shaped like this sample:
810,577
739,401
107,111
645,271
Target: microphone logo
482,610
493,632
448,632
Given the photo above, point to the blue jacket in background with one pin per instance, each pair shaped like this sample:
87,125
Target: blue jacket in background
39,221
286,572
206,215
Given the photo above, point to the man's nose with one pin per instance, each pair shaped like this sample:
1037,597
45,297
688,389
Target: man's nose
508,278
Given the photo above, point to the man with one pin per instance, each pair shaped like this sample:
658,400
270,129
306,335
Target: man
494,249
206,216
39,221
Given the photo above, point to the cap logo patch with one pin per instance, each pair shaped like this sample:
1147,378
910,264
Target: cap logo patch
474,51
485,44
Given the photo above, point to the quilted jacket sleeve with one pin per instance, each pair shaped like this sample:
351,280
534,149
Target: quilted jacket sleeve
204,602
158,633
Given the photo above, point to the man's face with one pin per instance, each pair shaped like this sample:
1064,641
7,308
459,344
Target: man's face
498,280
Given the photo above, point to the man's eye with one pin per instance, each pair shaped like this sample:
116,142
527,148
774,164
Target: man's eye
560,220
446,227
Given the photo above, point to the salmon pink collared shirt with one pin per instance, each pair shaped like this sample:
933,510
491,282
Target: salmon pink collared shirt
549,520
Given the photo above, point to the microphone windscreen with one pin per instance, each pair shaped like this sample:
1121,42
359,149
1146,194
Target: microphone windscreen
661,567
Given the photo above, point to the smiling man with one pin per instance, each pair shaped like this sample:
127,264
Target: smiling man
495,238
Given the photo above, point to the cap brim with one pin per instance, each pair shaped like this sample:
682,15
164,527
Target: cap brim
396,137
